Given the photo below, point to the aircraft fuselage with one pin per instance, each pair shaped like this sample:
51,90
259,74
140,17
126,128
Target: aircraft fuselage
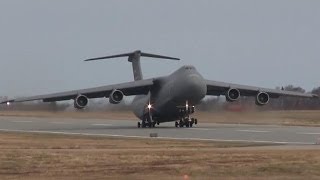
170,93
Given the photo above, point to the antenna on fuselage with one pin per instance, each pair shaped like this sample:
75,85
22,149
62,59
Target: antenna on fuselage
134,58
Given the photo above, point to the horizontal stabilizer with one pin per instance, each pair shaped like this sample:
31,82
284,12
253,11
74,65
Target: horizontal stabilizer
158,56
108,57
133,55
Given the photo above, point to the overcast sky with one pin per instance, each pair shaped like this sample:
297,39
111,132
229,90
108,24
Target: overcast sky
265,43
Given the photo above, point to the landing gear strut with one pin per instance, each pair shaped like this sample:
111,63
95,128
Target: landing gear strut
148,119
186,122
185,119
139,124
147,122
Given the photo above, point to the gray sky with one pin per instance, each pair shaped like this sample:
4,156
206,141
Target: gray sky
263,43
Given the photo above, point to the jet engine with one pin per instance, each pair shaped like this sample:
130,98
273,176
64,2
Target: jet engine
116,96
232,95
81,101
262,98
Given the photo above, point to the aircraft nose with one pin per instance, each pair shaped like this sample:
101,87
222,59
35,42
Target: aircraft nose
193,88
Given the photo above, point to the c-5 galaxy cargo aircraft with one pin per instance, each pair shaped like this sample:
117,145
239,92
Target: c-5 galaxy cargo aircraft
163,99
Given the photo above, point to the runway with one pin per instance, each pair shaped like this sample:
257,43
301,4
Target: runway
298,135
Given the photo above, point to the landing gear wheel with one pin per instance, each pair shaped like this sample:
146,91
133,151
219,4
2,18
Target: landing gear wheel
188,122
152,124
176,124
143,124
181,123
139,124
195,121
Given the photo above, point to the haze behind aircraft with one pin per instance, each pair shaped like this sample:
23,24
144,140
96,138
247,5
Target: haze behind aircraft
163,99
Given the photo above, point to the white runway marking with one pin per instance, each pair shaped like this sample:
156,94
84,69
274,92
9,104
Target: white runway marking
59,123
253,131
201,129
22,121
101,124
306,133
169,138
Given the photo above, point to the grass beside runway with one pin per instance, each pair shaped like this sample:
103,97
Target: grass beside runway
48,156
291,118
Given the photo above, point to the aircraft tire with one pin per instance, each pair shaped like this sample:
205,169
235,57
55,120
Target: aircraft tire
181,123
187,124
143,124
176,124
139,124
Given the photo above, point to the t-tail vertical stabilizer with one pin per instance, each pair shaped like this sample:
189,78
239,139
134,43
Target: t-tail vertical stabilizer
134,58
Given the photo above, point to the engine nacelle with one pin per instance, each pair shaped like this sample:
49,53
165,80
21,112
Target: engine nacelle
262,98
81,101
232,95
116,96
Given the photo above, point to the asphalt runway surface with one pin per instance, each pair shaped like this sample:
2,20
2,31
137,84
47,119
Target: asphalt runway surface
297,135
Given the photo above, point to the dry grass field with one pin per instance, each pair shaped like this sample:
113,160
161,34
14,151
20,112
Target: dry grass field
48,156
304,118
45,156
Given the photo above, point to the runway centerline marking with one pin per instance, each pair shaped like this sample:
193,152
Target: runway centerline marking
22,121
252,131
307,133
101,124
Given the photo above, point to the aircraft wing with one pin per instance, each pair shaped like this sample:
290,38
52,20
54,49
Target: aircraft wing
129,88
219,88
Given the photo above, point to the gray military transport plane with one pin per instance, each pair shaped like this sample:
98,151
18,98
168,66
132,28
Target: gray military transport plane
163,99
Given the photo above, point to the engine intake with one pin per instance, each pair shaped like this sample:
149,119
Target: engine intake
81,101
116,96
262,98
232,95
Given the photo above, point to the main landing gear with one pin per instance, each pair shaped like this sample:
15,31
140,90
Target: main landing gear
147,122
186,122
185,119
144,124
